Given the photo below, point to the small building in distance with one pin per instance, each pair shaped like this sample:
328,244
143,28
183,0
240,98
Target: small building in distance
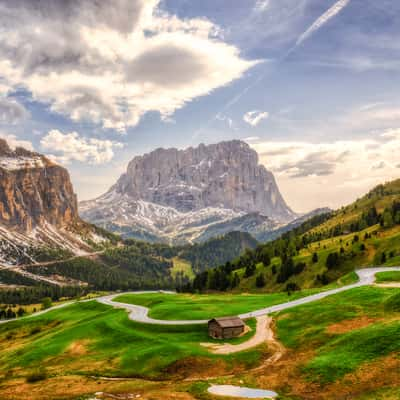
225,328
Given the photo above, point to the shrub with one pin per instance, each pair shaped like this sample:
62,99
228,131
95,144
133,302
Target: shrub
315,258
36,376
260,281
46,303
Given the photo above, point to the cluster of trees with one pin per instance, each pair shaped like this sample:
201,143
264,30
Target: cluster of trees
35,294
9,277
225,277
217,251
8,313
286,247
100,276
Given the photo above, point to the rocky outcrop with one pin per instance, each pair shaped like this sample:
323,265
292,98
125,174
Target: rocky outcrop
34,191
225,175
191,195
38,209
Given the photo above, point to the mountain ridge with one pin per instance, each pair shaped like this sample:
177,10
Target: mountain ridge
177,195
38,208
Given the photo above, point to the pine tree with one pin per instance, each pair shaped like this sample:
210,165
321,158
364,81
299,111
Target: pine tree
260,281
315,258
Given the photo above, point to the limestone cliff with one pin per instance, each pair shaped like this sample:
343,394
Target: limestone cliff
225,175
190,195
33,190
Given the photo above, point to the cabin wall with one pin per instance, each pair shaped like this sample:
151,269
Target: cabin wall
215,331
229,333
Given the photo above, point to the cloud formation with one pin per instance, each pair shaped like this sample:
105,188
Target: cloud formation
11,112
14,142
111,62
253,118
66,147
335,172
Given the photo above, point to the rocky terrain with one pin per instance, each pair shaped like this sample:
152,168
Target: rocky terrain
38,207
191,195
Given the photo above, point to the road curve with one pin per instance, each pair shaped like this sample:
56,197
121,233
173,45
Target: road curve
140,313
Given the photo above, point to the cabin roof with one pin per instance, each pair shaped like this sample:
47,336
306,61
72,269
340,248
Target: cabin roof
228,322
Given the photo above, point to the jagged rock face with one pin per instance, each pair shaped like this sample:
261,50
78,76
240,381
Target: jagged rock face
33,191
225,175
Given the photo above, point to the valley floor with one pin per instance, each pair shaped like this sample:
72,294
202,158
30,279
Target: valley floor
343,346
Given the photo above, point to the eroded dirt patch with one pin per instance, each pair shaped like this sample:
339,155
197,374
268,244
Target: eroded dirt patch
78,348
350,325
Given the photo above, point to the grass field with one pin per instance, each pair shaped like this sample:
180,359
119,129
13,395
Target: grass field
188,306
93,337
393,276
346,330
329,342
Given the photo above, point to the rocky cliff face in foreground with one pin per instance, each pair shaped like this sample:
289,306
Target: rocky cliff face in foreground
224,175
38,208
33,190
190,195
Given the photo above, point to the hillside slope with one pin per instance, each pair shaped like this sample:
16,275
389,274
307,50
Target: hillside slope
321,250
38,209
128,266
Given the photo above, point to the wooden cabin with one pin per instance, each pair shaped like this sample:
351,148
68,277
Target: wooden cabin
225,328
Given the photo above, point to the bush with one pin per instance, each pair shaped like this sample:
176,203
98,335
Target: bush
260,281
333,260
37,376
46,303
315,258
35,330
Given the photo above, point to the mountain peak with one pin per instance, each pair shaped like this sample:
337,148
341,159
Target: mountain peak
171,193
225,175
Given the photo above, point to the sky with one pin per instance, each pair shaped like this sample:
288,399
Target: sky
312,85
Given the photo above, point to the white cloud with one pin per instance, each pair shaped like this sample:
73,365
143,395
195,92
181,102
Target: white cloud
13,141
71,147
110,63
11,112
253,118
334,173
261,5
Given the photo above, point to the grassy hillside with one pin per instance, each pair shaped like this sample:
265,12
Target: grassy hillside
344,346
130,265
191,307
217,251
90,339
326,247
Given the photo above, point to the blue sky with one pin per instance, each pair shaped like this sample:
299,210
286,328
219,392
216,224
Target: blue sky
312,85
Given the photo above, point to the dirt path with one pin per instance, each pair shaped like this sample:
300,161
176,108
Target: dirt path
264,334
388,285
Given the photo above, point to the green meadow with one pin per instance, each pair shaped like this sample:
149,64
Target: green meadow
373,331
89,337
391,276
199,306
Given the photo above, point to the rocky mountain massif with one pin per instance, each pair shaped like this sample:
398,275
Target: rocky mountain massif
38,207
179,196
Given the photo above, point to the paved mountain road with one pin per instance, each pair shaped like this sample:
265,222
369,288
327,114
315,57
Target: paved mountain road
140,313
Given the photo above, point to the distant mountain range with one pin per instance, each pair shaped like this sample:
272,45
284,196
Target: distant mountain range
180,196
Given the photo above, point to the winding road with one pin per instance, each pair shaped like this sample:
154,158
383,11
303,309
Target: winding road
141,314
